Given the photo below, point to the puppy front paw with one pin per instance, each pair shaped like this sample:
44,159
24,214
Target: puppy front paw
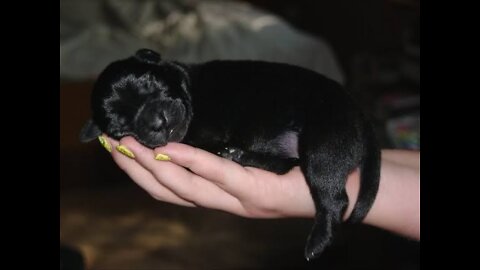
231,153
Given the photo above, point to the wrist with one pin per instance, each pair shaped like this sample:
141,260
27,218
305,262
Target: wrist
397,206
352,187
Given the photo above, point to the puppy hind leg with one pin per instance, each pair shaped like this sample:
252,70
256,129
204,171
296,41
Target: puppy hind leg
330,202
326,161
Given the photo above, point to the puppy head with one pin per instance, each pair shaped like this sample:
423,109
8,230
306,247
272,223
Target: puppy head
143,97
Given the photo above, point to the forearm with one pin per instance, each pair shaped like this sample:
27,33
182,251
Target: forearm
397,205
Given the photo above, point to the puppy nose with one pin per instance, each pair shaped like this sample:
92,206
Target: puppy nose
148,56
156,124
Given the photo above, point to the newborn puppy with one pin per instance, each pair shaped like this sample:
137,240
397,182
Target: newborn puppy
266,115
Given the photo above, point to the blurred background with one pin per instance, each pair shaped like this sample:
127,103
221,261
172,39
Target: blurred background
107,222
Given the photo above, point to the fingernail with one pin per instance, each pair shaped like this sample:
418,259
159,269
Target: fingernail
104,142
162,157
124,150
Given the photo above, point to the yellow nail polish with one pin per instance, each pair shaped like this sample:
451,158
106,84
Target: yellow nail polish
162,157
124,150
104,142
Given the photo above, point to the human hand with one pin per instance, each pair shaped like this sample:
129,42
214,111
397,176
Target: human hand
214,182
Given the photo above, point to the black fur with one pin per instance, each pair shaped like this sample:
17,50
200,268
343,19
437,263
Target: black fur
267,115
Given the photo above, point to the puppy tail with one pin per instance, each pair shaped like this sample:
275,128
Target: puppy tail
369,177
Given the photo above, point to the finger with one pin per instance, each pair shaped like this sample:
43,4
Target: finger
226,174
144,178
182,182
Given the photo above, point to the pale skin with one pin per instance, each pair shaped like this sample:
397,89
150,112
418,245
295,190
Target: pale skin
217,183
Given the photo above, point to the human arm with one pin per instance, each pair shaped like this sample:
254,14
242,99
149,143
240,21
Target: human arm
217,183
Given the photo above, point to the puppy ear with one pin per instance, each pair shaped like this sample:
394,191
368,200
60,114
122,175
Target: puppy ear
148,56
89,131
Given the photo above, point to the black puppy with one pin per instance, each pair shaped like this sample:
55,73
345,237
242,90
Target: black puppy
266,115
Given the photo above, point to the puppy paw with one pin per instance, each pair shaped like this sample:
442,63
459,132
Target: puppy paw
231,153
